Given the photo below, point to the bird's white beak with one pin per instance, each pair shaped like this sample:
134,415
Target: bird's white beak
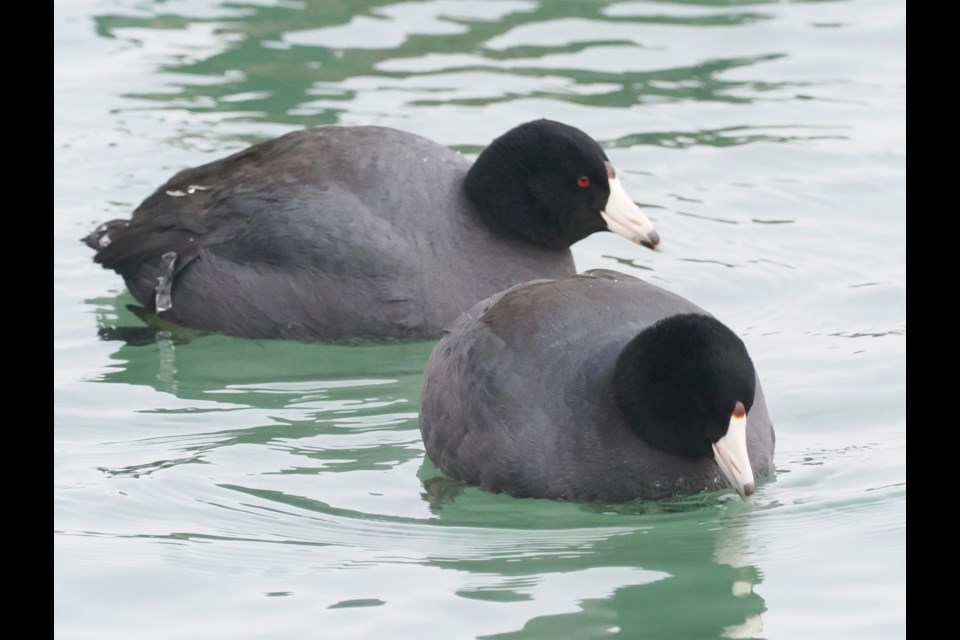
730,452
623,216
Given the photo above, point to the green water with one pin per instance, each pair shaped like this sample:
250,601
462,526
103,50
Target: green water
222,488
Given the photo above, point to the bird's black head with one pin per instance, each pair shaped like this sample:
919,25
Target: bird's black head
552,185
679,382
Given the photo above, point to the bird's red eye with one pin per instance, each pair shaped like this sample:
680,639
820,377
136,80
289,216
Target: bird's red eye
583,181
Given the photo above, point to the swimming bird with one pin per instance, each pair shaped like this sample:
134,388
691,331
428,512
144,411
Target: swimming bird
599,387
369,232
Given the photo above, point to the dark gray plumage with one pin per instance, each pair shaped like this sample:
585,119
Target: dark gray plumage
362,232
519,394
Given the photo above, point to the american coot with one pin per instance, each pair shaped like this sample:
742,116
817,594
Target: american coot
598,387
364,232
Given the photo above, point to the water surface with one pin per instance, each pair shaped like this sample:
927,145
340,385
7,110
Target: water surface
223,488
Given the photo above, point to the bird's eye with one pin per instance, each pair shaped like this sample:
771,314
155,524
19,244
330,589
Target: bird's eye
583,181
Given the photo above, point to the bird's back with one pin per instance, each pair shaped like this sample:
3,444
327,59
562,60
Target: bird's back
328,233
518,396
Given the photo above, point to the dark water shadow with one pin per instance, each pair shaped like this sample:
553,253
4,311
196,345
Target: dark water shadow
190,364
290,390
707,589
674,569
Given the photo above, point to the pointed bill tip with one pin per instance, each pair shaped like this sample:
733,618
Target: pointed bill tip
652,241
624,217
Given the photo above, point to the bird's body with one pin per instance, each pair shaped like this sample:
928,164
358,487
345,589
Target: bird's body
520,396
339,232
